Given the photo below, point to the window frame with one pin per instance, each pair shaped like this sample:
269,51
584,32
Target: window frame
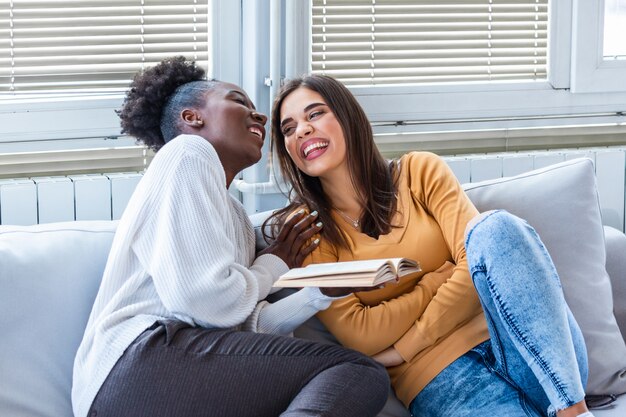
396,105
591,73
62,121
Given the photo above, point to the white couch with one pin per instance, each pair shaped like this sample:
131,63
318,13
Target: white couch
49,276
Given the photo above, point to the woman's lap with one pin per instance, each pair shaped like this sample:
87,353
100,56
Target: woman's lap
175,369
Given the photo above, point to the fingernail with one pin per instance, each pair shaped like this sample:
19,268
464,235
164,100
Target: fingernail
314,213
318,224
316,241
300,211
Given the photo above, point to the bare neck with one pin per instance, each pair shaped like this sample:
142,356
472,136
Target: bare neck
341,193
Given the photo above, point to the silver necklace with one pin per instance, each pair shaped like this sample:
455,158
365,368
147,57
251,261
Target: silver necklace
355,223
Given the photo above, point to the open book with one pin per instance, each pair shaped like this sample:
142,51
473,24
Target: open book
367,273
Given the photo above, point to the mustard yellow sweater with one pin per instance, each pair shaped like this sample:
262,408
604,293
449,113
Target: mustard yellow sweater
432,317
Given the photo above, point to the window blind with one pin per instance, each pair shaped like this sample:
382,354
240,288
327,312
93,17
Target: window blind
94,45
371,42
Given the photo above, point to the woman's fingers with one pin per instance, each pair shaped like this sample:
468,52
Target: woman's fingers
306,226
305,250
300,242
294,241
289,224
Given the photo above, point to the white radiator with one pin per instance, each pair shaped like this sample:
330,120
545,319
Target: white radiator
610,163
92,197
25,201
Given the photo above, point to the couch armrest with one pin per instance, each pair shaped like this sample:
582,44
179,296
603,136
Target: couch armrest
616,267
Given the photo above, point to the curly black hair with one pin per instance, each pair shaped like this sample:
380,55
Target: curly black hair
151,108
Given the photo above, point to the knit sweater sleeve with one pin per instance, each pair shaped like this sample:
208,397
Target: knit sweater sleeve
433,183
187,245
285,315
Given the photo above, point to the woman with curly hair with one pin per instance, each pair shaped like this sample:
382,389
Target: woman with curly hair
179,326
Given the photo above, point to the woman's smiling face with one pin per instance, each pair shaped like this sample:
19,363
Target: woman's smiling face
234,127
314,138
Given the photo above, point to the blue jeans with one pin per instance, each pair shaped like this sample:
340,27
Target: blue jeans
535,362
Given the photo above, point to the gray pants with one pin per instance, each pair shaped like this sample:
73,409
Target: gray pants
173,369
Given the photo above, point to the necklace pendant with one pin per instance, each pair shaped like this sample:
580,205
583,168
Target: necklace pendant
355,223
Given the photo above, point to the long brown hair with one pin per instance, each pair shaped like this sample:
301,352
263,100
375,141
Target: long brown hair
371,175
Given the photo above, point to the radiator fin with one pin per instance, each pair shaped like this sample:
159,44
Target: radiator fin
55,199
18,201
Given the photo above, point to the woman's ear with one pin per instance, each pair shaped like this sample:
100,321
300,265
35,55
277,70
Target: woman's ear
192,118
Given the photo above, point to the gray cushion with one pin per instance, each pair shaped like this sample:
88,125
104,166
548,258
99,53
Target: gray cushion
561,203
616,267
49,276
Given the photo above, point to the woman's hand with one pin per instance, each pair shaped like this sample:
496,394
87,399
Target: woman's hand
388,357
293,244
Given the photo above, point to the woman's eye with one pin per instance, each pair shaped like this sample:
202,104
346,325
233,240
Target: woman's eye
315,114
287,131
241,101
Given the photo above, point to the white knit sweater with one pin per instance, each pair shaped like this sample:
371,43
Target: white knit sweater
184,249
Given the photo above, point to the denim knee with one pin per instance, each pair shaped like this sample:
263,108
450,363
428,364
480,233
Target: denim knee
494,226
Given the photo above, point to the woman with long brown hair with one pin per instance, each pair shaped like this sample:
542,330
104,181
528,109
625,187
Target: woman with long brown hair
483,329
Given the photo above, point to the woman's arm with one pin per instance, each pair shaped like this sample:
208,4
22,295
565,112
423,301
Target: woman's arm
188,243
441,301
456,301
285,315
372,329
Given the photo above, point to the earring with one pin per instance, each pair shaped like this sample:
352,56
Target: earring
199,122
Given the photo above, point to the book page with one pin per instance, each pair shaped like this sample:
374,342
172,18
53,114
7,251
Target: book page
364,273
407,266
336,268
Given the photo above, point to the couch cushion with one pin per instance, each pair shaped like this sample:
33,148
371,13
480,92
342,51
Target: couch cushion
616,267
49,276
561,203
